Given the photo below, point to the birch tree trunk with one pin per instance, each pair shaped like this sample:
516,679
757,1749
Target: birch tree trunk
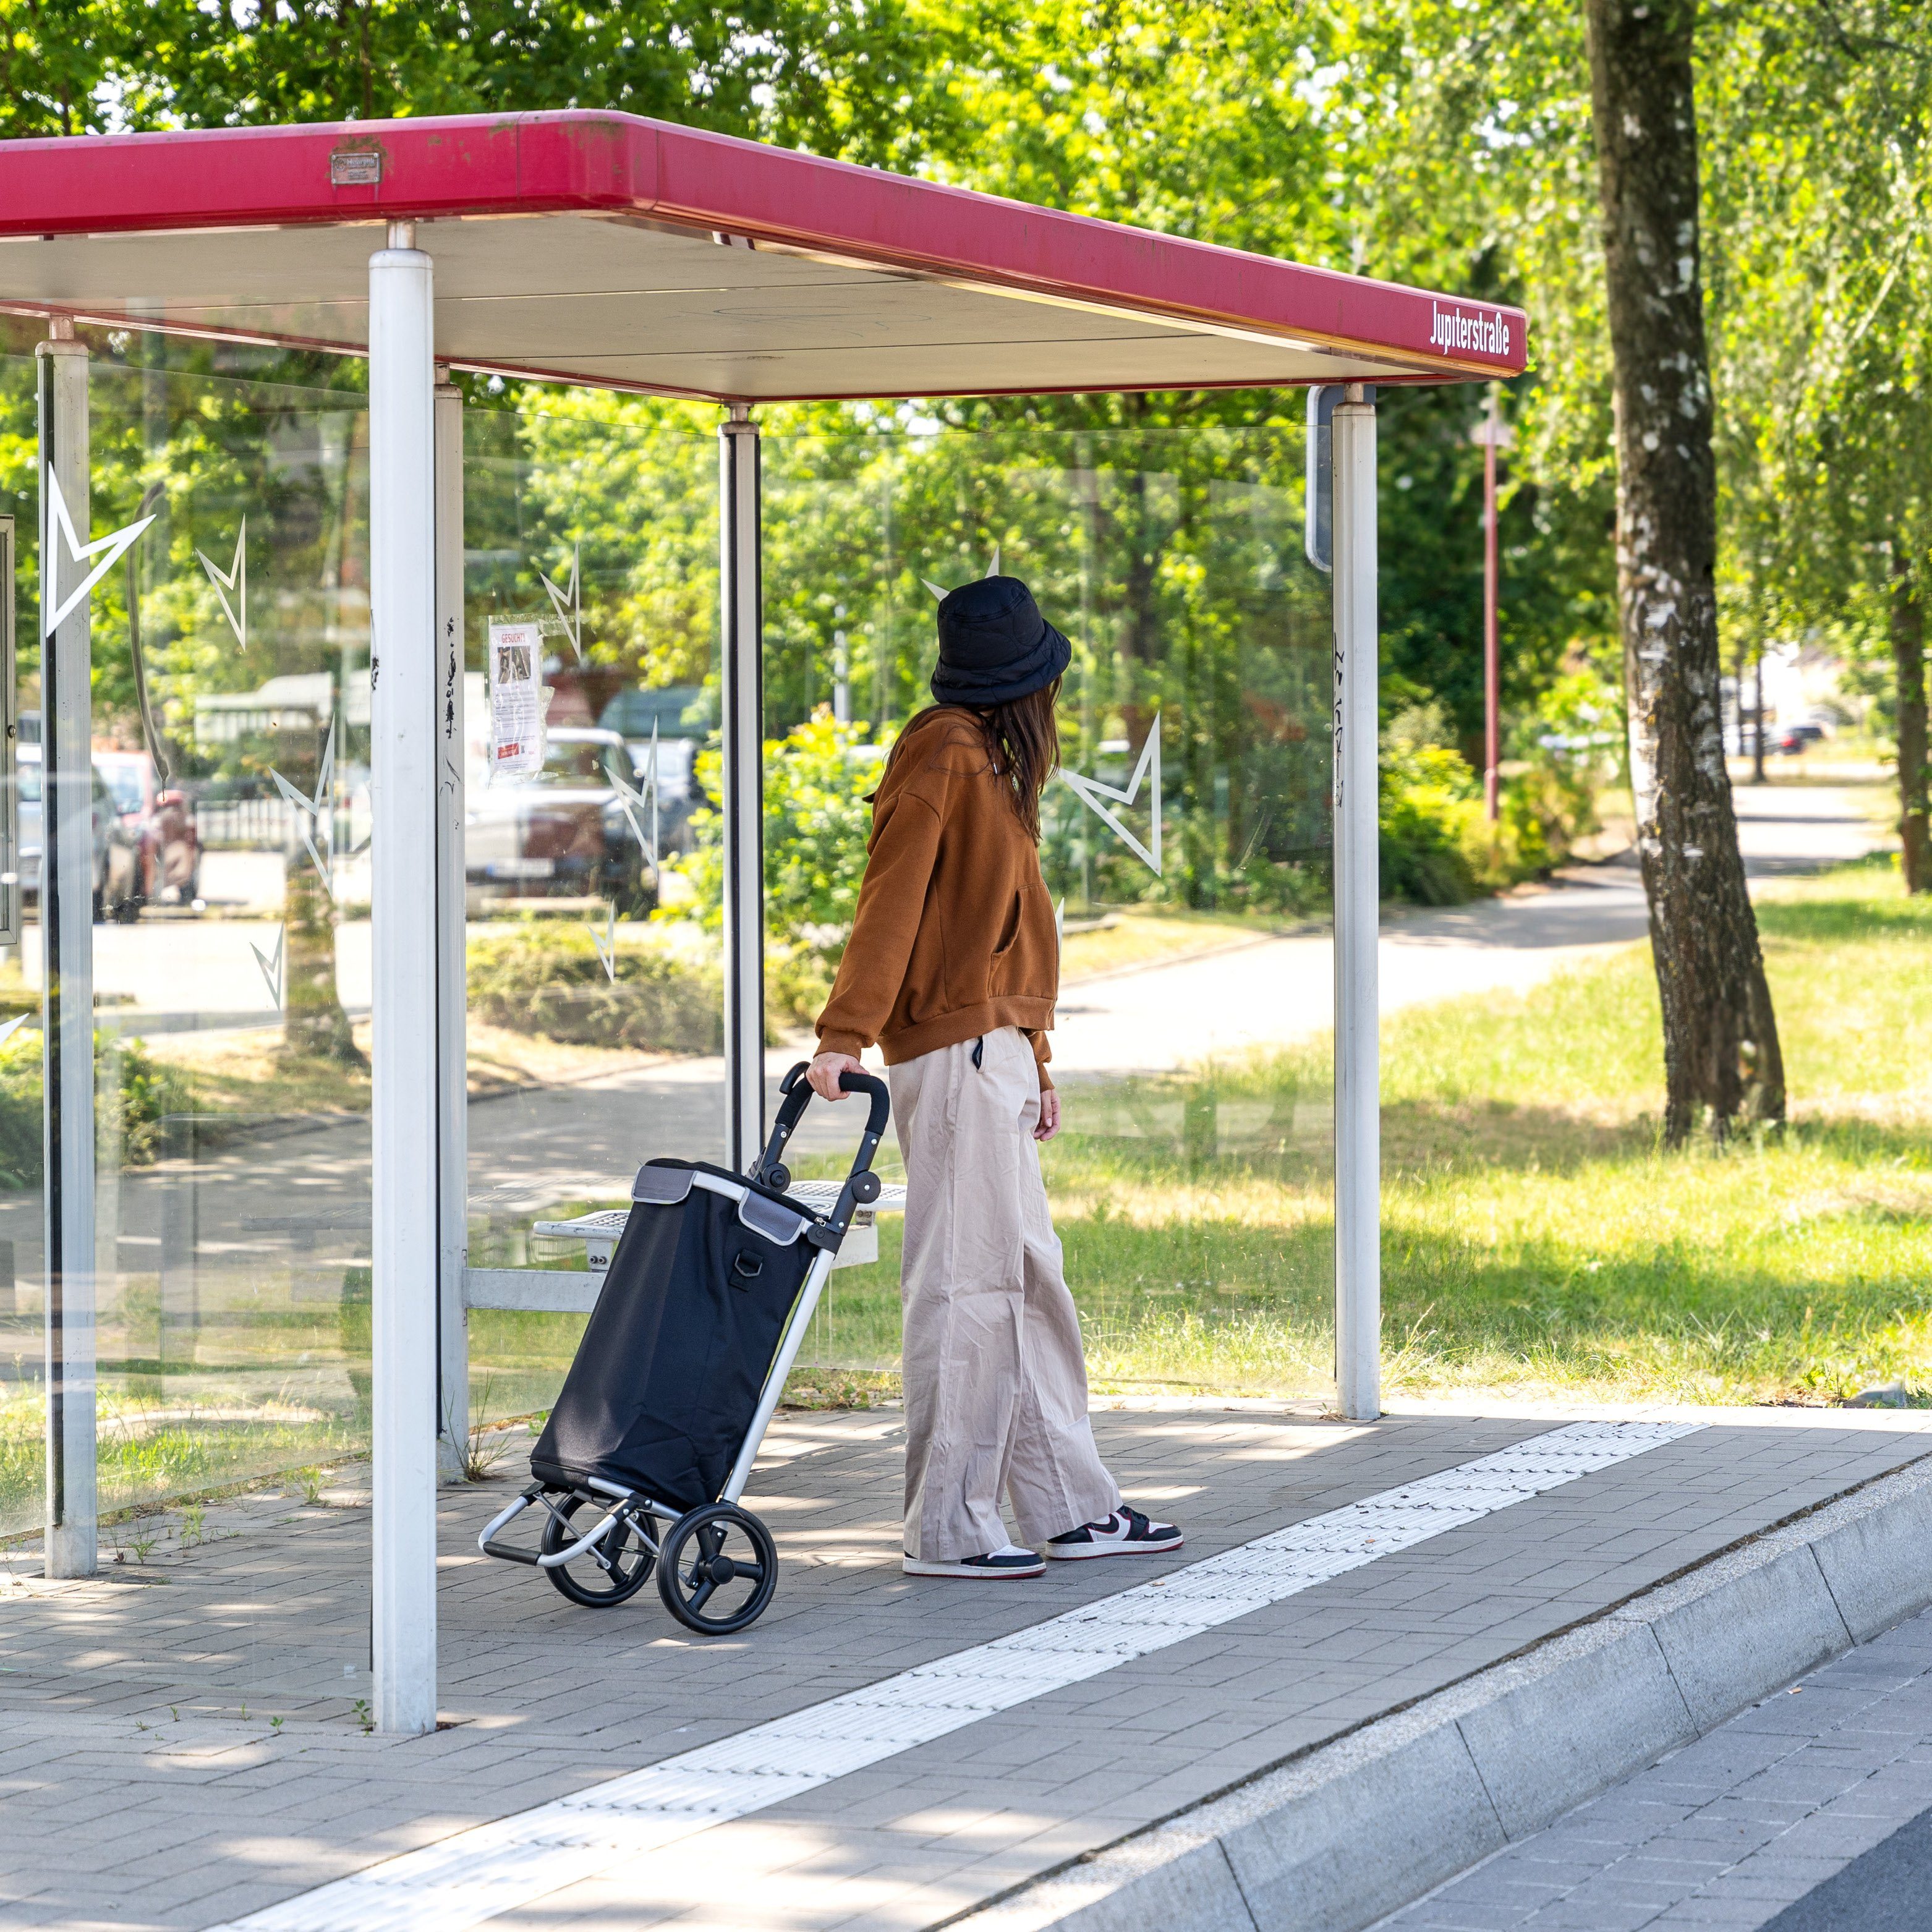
1908,659
1721,1045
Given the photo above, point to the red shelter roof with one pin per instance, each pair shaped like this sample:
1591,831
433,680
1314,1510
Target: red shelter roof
629,253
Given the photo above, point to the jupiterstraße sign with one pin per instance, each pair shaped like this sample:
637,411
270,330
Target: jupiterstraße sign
1452,329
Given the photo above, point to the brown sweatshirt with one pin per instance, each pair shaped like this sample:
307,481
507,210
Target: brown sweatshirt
955,935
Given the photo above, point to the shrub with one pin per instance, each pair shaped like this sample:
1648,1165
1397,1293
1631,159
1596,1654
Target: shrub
817,819
128,1114
546,978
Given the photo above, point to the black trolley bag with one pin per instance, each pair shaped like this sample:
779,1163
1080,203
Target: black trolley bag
706,1299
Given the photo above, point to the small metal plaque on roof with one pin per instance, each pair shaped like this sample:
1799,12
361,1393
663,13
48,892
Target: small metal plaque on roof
355,167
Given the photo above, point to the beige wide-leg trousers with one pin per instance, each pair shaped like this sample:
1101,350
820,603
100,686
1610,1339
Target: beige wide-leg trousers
995,1384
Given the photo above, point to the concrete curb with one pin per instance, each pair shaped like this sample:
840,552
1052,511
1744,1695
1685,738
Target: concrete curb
1333,1840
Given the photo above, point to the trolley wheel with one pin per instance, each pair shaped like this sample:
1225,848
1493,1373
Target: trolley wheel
717,1569
609,1573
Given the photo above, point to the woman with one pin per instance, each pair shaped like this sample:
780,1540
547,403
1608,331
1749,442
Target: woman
952,968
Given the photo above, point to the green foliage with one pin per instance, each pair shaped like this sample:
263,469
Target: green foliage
546,978
134,1092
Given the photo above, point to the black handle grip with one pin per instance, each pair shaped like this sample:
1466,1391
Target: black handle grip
797,1092
871,1084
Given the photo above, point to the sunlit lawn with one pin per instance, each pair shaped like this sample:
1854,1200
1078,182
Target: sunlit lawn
1536,1240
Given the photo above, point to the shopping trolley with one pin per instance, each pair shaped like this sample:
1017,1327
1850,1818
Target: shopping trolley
704,1307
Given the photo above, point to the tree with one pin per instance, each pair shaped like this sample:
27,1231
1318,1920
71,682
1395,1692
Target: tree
1720,1044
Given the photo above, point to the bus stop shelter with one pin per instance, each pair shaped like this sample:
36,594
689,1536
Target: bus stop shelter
610,251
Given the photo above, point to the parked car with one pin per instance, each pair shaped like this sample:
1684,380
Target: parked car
161,818
562,831
116,859
1790,739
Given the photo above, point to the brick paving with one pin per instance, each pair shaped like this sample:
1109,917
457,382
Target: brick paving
138,1794
1731,1830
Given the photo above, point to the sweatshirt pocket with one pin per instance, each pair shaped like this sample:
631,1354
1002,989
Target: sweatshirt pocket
1025,963
1009,932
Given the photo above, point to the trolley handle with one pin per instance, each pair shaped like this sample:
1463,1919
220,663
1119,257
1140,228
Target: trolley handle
770,1171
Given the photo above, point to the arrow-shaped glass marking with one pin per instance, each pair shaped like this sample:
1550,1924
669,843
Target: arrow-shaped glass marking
270,964
568,605
1090,791
228,580
115,545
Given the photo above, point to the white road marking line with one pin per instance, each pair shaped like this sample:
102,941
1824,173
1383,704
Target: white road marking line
474,1875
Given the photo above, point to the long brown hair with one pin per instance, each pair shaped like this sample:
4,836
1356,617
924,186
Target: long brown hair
1023,742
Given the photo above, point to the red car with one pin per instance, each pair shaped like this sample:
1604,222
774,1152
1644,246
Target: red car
161,821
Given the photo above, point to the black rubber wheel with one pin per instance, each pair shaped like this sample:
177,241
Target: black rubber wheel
718,1569
609,1573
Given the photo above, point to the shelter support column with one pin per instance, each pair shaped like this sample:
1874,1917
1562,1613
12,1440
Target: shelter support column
740,599
403,672
1357,897
66,934
452,1135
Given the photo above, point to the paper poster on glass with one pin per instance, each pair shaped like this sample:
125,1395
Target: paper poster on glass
516,698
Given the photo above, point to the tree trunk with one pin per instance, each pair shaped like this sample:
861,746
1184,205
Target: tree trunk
314,1026
1721,1046
1908,659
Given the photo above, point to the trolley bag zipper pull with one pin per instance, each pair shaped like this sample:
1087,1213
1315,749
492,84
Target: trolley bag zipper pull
980,1052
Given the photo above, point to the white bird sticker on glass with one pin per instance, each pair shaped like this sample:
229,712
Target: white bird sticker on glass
567,600
110,549
234,578
606,943
1091,791
940,591
12,1027
636,804
315,817
270,964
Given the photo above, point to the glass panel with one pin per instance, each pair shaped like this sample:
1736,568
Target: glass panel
593,889
232,969
1187,844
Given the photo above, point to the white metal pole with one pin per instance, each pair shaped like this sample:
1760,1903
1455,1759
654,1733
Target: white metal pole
1358,1292
741,647
404,666
67,939
452,1090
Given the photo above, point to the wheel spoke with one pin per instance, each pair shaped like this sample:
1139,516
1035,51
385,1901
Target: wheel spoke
702,1594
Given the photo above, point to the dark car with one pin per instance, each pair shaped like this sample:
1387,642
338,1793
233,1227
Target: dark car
564,831
160,819
1793,738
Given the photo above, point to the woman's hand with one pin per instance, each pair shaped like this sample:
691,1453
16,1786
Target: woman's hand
824,1071
1048,1125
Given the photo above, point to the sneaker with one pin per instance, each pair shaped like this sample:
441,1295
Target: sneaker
994,1565
1126,1533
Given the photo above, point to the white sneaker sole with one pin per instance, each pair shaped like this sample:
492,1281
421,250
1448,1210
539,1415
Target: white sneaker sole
1082,1553
972,1572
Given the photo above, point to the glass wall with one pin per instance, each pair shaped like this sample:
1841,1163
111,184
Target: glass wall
230,675
1187,847
596,986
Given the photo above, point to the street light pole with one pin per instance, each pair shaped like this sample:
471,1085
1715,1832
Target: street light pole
1492,726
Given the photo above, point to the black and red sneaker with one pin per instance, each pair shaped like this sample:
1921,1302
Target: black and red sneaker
1126,1533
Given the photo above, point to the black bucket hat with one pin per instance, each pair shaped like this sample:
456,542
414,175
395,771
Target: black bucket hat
993,645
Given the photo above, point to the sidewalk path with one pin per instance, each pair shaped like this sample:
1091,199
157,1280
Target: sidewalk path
140,1794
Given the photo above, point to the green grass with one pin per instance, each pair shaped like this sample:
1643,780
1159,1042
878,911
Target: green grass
1536,1241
